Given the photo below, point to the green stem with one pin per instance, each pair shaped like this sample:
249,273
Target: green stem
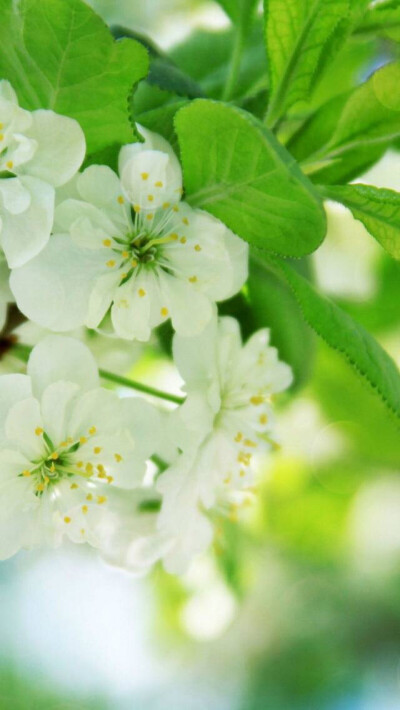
234,66
22,352
140,387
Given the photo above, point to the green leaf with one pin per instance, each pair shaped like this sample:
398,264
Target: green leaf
348,337
241,12
383,18
60,55
368,120
297,34
274,306
206,57
236,169
161,120
377,208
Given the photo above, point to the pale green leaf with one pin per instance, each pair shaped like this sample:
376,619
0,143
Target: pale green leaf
237,170
297,33
60,55
377,208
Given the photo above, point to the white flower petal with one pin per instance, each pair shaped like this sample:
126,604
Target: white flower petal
144,422
101,297
100,186
54,288
56,404
13,389
190,310
15,197
25,234
150,169
61,147
87,224
131,311
23,422
60,358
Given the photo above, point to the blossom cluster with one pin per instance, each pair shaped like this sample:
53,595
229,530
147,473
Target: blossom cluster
120,254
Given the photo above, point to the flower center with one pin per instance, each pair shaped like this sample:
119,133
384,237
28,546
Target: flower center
62,462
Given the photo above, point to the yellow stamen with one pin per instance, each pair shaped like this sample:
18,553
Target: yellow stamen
118,457
256,399
185,220
134,263
197,247
149,216
79,464
26,473
10,164
144,176
166,205
40,487
38,431
150,198
107,242
89,496
67,519
136,208
183,240
110,263
89,468
92,430
239,436
54,455
83,440
263,419
174,236
125,254
73,486
101,499
141,292
97,449
249,442
120,199
164,312
192,279
85,509
158,183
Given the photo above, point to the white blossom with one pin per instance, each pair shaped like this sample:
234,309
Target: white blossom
129,247
39,150
6,296
68,450
225,421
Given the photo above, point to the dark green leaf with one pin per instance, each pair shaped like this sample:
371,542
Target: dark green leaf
378,209
274,306
236,169
60,55
348,337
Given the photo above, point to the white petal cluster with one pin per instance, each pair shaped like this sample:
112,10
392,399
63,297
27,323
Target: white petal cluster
39,151
226,421
128,245
69,450
107,258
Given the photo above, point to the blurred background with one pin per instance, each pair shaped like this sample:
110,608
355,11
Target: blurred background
297,606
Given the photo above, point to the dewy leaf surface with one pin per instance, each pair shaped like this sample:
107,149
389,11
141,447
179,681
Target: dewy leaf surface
60,55
377,208
348,337
297,32
237,170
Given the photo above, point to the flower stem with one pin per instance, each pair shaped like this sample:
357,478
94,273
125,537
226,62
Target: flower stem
140,387
234,66
22,352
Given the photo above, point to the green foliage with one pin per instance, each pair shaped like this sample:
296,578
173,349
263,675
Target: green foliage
383,18
367,119
236,169
377,209
274,306
60,55
346,336
298,33
206,57
241,12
